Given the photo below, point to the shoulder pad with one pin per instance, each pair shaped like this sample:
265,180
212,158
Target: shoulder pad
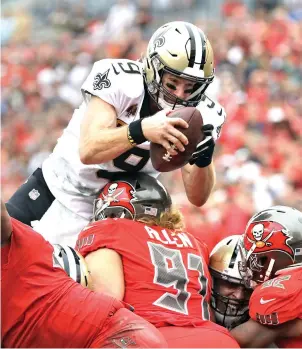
277,300
114,80
96,235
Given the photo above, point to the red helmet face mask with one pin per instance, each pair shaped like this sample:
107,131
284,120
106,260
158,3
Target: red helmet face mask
267,249
116,197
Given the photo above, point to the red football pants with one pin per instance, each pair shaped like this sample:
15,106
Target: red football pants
82,318
128,330
198,337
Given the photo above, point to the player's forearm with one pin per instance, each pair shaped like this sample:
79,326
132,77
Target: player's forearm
104,145
198,183
254,335
251,334
290,329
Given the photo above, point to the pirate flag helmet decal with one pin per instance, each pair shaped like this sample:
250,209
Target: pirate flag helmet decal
272,241
131,196
115,195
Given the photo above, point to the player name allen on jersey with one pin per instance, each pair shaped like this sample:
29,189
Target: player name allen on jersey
169,238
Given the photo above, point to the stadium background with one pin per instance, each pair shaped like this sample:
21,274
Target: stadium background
48,48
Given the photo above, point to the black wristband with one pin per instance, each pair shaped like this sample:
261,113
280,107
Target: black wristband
135,132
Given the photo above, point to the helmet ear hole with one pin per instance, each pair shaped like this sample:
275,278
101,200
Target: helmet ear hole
262,260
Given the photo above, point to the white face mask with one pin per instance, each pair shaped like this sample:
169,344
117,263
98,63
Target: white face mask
166,105
163,102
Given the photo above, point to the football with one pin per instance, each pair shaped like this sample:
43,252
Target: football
162,161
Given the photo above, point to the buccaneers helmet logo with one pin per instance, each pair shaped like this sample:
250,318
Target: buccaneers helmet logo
117,194
267,236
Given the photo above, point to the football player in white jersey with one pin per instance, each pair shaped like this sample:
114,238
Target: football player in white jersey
124,109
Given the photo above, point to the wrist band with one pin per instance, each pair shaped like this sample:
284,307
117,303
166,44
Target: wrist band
135,133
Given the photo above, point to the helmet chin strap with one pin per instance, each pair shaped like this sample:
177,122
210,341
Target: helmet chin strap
269,269
245,272
165,105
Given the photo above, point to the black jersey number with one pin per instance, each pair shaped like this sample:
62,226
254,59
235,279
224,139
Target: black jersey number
176,276
128,68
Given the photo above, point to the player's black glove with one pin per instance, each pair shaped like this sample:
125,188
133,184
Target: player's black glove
202,157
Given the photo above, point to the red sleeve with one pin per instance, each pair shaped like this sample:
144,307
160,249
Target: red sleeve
97,235
278,300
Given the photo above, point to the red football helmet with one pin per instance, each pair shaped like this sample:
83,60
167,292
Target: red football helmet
272,241
132,196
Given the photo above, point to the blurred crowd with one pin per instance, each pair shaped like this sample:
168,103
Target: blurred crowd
258,54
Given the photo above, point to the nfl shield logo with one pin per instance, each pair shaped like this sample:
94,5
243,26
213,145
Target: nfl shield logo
34,194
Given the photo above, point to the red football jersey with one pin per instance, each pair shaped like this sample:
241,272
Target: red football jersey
167,280
40,305
279,300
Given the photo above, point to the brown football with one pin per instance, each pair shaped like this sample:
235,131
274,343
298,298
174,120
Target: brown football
162,161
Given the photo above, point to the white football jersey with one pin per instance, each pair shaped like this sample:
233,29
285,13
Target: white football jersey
120,83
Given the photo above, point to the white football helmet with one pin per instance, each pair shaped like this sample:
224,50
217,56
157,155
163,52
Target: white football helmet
224,263
183,50
73,263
